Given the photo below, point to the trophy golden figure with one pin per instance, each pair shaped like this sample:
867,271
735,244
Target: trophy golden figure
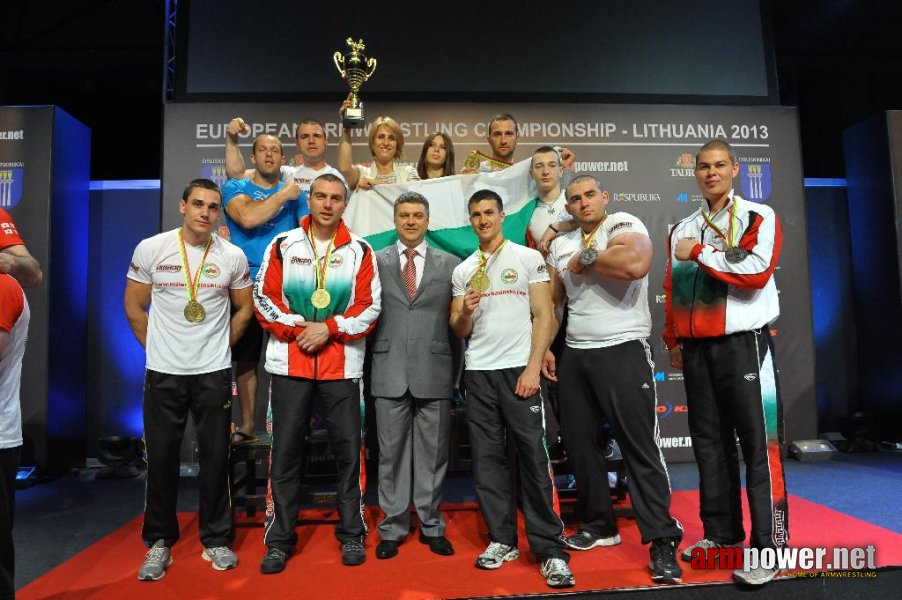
355,68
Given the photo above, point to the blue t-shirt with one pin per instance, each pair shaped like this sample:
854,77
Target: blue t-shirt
254,241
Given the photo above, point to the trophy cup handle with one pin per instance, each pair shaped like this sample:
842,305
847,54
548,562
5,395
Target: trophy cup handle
371,63
339,62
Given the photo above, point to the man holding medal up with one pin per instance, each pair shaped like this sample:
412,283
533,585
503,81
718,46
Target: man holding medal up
502,303
606,374
318,294
190,277
721,297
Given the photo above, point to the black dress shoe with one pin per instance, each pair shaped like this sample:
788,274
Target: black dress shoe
438,544
387,549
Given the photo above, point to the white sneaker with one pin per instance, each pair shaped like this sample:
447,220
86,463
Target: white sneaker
158,558
496,555
557,573
756,577
222,557
705,544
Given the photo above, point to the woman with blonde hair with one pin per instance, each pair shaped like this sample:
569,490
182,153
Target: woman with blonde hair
386,141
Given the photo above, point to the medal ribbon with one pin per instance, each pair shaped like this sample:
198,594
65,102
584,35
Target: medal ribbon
183,254
588,238
484,259
321,270
728,237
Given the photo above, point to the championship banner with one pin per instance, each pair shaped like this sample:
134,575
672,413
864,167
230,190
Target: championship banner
644,156
371,212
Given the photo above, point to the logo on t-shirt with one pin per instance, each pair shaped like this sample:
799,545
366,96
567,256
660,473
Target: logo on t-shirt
335,261
509,276
169,268
211,271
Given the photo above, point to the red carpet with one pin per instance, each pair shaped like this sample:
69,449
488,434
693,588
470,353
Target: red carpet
108,568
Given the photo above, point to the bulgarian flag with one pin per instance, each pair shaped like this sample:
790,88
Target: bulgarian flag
370,213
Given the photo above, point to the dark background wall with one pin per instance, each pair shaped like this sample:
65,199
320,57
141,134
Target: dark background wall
839,61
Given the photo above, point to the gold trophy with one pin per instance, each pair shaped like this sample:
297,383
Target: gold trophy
355,68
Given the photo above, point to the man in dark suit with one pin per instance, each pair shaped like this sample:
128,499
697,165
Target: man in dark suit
412,380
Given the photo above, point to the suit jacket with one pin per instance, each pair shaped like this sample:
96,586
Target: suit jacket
412,344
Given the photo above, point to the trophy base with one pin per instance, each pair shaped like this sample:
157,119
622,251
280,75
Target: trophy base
353,118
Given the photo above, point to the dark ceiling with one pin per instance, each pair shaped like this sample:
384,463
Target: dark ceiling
839,61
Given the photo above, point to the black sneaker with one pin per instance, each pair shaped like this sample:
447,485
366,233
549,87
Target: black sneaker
663,565
352,553
273,561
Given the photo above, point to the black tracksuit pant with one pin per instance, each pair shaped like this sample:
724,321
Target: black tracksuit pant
615,384
732,391
168,399
492,409
292,404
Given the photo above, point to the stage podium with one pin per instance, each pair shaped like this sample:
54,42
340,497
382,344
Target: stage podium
45,159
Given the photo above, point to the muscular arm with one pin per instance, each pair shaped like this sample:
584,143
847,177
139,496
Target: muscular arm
462,308
17,261
234,162
249,213
542,319
137,298
344,163
243,300
628,257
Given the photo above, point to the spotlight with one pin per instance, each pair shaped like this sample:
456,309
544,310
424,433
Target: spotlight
118,453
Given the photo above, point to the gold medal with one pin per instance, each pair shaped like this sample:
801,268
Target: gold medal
479,282
194,312
320,298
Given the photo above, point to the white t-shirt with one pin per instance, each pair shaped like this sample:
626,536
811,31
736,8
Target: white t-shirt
174,345
502,323
601,311
304,175
14,317
548,214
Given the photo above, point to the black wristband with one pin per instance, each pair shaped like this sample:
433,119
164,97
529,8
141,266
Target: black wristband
551,227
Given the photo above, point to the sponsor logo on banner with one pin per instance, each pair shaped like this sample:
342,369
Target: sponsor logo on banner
755,181
636,197
686,197
684,166
10,187
620,166
215,172
675,442
665,409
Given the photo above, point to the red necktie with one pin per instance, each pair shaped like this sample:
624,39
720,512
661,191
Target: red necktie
409,272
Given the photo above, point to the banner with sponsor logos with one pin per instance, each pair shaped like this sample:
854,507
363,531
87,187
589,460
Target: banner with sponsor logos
644,156
45,159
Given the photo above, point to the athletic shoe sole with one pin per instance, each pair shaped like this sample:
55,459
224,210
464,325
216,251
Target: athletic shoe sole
209,559
512,555
662,578
605,541
162,574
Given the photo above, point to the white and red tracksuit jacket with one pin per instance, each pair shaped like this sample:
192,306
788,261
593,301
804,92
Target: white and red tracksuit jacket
708,296
282,299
